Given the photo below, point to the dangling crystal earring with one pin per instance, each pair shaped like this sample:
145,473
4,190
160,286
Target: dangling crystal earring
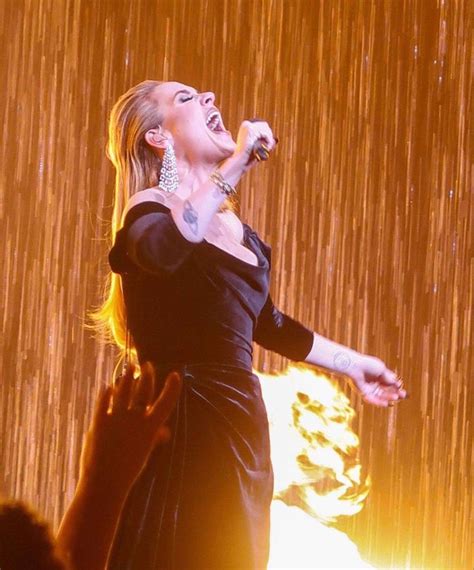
169,173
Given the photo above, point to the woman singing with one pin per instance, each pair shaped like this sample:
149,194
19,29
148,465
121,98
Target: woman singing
190,283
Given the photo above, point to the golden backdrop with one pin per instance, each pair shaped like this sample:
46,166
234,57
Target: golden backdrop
367,203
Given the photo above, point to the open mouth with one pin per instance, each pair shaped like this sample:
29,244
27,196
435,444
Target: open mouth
214,123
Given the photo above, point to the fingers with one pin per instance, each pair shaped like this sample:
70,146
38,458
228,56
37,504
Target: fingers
390,378
380,395
102,403
371,395
143,388
260,129
123,390
380,399
377,401
167,400
395,389
393,384
267,134
137,396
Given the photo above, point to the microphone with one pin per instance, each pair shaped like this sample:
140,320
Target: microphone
260,150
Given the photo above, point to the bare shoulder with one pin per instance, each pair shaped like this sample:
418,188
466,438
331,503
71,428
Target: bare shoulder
151,195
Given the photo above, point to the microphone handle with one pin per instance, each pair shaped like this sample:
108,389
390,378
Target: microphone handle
260,150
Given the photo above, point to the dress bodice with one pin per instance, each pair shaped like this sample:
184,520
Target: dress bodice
195,302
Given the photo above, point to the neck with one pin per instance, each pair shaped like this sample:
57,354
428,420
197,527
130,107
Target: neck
192,176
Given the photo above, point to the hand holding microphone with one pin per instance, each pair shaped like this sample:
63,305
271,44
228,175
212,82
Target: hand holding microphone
261,151
255,141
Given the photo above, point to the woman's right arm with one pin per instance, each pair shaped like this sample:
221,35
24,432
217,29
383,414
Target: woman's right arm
194,214
157,241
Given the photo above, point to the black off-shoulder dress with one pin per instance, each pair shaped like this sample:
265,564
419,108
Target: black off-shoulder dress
203,499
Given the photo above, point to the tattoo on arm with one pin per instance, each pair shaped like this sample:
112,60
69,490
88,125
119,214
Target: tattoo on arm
342,361
190,216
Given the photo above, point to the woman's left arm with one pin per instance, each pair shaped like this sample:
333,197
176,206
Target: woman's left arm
374,380
280,333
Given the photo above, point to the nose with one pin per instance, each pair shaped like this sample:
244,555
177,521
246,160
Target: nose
207,98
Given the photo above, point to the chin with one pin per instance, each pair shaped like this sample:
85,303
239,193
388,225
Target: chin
232,146
220,148
227,145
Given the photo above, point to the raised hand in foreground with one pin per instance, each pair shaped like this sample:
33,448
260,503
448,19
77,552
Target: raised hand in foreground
127,424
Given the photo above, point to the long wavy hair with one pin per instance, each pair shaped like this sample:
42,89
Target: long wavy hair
137,167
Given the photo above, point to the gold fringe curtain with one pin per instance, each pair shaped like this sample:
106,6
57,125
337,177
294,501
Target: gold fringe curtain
367,204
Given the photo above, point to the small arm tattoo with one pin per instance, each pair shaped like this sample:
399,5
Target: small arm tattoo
190,216
342,361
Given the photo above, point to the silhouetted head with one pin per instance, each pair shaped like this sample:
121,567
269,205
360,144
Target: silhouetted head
26,541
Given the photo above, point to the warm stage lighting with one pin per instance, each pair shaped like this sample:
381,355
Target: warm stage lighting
299,540
317,473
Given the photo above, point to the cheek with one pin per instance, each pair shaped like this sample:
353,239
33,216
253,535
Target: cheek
192,128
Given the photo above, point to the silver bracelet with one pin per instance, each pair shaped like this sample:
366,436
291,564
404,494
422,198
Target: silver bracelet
223,186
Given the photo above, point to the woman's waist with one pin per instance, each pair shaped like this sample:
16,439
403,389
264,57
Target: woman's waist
196,370
199,354
233,390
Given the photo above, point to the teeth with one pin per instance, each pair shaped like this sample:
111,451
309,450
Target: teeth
214,121
212,116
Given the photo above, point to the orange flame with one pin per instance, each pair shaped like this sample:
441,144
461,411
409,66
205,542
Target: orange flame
317,472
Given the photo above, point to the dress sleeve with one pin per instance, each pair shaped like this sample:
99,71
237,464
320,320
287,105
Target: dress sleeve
149,240
282,334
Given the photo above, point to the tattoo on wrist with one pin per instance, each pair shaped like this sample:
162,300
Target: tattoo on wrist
190,216
342,361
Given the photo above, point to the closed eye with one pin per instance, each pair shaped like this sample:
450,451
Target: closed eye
183,100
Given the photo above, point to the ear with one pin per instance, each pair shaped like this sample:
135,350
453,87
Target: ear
156,138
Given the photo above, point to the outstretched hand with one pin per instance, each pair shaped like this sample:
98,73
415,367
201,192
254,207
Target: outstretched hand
127,424
376,383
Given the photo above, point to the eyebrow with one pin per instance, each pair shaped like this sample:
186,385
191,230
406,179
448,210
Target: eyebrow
184,91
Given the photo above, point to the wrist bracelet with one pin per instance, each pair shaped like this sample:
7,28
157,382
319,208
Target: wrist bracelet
223,186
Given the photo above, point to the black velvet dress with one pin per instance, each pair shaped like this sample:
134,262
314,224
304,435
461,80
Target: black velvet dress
203,499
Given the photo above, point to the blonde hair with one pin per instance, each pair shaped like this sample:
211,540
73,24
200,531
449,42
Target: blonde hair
137,167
